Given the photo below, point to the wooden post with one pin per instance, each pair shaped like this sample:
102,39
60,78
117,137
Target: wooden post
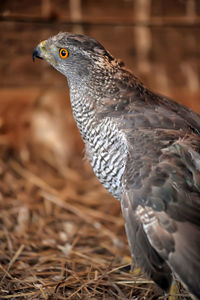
189,71
143,41
76,15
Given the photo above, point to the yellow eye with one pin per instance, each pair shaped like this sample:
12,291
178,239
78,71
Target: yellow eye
63,53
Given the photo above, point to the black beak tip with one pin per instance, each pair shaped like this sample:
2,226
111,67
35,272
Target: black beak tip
36,53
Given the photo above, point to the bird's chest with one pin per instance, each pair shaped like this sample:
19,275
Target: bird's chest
105,146
106,151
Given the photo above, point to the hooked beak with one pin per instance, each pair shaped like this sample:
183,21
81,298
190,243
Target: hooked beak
37,52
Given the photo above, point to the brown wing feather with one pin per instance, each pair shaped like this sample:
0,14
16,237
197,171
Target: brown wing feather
141,249
164,208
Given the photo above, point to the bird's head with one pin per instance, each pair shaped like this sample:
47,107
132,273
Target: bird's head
74,55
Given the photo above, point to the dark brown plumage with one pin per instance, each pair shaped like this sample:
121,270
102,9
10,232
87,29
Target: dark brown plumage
145,149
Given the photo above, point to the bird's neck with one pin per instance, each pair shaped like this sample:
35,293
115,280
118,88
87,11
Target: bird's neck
83,109
85,95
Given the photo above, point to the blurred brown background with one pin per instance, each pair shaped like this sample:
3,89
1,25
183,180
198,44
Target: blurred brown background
157,39
54,212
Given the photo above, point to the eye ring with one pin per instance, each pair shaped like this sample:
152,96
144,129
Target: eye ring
63,53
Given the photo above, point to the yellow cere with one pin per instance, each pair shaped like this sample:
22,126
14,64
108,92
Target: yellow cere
46,54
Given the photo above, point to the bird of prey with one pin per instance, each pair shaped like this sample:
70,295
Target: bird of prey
144,149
